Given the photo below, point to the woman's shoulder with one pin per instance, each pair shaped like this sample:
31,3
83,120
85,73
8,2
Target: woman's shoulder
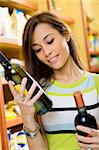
91,74
95,77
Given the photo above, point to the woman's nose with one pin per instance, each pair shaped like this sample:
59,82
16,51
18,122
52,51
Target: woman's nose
47,51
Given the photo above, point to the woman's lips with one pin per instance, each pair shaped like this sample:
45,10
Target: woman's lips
53,59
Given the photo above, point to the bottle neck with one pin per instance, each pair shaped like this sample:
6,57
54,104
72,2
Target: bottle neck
4,61
82,111
80,103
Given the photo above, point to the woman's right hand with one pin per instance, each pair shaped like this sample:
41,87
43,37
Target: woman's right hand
27,104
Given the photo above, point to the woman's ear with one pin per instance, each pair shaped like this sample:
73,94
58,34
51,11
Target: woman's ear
68,37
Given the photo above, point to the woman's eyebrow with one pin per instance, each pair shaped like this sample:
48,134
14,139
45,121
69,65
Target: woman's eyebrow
46,36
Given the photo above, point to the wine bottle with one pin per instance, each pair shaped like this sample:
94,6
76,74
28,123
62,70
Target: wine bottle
16,72
83,118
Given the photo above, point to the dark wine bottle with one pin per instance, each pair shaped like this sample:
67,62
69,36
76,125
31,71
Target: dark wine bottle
16,72
83,118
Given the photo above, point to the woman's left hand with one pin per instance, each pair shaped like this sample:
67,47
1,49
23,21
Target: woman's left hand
88,143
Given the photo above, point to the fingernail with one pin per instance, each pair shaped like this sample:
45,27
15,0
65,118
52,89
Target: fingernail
11,82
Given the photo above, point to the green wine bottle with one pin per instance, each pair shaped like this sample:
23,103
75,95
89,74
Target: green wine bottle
15,72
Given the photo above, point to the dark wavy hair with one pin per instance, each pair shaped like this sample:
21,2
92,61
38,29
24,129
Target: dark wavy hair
35,67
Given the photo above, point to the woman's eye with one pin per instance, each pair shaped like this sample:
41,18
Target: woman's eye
37,50
51,41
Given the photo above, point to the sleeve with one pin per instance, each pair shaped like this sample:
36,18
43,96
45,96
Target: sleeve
96,78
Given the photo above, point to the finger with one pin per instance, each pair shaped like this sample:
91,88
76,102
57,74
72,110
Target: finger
85,139
31,90
11,86
35,98
90,131
85,146
23,85
95,146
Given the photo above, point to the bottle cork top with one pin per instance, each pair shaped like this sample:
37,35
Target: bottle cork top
78,99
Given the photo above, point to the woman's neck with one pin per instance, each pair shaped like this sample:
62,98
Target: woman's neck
69,73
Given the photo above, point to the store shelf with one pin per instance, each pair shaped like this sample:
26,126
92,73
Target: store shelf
66,19
4,41
26,5
69,21
94,69
95,53
14,122
3,129
18,120
10,47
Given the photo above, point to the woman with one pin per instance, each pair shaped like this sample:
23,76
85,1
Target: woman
50,54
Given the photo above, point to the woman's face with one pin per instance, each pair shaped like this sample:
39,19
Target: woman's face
50,46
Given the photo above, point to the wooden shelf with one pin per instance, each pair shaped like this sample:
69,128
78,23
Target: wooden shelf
95,53
3,128
69,21
25,5
94,69
14,122
10,47
18,120
66,19
4,41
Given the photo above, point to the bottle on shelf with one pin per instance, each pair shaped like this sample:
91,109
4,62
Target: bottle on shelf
9,138
21,21
1,71
7,23
83,118
15,72
1,22
19,141
2,78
